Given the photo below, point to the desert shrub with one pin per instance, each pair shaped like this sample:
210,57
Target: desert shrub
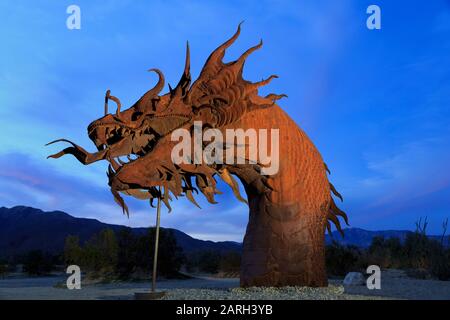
440,266
3,268
72,251
421,256
426,256
125,255
386,253
38,263
99,255
203,261
342,259
126,258
230,263
209,261
226,263
170,255
417,249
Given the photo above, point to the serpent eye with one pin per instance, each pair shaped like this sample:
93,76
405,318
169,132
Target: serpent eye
136,115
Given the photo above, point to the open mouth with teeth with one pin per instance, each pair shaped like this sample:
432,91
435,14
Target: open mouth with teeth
122,143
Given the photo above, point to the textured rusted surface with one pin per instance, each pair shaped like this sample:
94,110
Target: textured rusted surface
289,211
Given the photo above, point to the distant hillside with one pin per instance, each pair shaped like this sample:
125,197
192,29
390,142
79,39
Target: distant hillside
363,238
23,229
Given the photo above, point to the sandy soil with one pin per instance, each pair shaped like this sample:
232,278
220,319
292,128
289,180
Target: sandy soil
43,288
394,285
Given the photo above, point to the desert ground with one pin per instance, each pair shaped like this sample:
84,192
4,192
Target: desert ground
394,285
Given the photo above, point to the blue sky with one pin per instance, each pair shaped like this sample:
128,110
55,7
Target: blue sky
375,102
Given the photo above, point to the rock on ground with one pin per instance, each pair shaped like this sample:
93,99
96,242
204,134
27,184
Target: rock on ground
354,279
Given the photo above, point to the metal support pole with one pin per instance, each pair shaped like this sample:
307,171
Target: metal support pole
155,257
153,295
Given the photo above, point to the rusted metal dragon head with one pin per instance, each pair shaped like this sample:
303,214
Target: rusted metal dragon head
218,98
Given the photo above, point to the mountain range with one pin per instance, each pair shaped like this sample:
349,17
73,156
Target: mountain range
24,228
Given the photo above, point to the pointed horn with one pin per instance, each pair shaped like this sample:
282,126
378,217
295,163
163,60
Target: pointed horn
263,82
217,55
187,63
185,80
240,62
149,95
160,85
274,97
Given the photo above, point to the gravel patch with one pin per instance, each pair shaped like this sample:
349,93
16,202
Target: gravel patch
332,292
